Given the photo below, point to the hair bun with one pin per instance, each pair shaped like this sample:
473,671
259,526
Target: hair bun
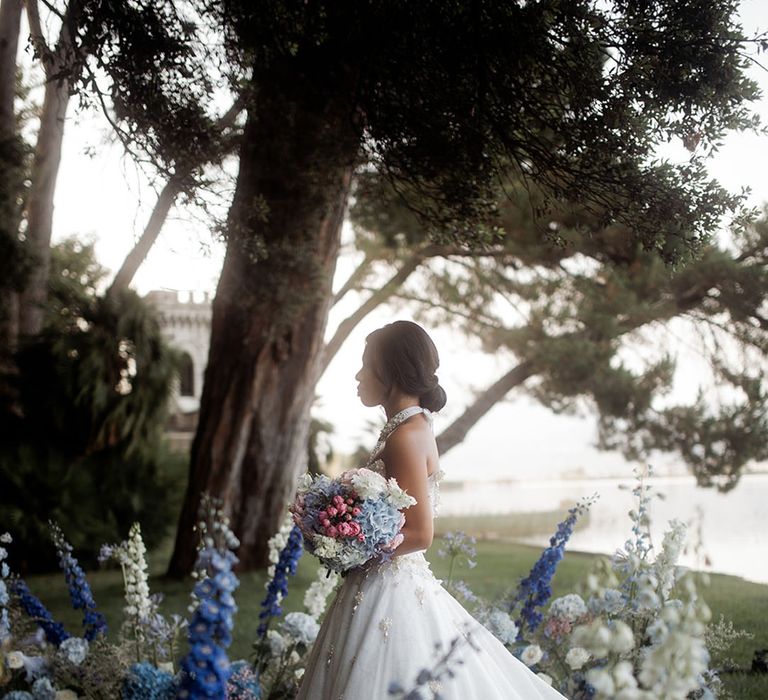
433,399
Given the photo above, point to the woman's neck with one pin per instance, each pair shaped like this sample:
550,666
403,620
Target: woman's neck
395,404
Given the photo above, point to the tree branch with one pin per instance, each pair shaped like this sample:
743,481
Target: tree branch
354,278
375,300
457,431
37,37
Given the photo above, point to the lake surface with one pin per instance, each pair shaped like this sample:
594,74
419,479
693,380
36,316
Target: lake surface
734,525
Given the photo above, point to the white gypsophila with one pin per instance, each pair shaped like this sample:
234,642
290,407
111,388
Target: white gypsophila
577,657
326,547
624,675
666,562
501,625
531,654
300,627
316,595
545,677
571,607
622,637
277,643
368,484
397,497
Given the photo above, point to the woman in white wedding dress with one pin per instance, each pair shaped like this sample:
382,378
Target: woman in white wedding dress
392,618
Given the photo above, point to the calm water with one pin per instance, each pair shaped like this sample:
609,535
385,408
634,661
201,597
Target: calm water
734,525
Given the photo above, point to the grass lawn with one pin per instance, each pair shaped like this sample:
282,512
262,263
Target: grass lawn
500,565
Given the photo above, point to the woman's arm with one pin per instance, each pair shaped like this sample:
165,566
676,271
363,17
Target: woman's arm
405,457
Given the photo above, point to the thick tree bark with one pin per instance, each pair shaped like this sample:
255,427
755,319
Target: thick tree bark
270,313
10,26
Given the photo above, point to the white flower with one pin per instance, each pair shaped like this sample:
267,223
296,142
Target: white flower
531,654
577,657
326,547
622,637
501,625
74,649
298,674
277,643
318,591
571,607
15,659
624,675
6,538
300,627
368,484
397,497
66,694
304,483
545,677
601,681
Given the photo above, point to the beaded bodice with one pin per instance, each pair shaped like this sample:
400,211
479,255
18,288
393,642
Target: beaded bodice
375,463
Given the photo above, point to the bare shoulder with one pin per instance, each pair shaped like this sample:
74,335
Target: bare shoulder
412,439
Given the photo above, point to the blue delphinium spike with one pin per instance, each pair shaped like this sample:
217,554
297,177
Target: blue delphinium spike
277,588
32,606
79,590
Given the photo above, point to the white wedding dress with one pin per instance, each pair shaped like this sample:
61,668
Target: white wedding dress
391,620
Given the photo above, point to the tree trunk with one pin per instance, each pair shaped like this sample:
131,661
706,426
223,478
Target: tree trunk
10,167
270,312
45,168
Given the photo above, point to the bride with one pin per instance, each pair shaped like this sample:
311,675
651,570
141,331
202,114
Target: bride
392,618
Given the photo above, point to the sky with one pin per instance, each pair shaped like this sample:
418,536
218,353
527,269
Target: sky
101,194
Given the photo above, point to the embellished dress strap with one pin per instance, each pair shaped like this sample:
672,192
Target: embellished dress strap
393,424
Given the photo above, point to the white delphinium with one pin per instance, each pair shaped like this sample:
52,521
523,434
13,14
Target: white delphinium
678,657
137,597
666,562
300,628
276,545
531,655
74,650
317,593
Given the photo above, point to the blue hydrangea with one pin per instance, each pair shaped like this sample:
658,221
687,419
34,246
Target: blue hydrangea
277,588
146,682
18,695
54,631
79,590
243,683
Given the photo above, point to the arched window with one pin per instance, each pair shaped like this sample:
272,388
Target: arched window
186,375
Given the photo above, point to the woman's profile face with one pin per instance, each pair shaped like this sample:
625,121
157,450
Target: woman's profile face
369,387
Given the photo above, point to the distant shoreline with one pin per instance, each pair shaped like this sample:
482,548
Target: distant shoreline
451,484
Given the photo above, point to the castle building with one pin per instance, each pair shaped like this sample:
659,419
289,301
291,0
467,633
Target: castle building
186,324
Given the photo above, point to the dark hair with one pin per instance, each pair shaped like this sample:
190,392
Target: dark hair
405,356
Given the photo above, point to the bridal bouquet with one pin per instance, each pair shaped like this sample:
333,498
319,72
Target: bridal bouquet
351,519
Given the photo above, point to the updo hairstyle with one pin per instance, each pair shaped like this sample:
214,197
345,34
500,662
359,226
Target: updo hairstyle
403,355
